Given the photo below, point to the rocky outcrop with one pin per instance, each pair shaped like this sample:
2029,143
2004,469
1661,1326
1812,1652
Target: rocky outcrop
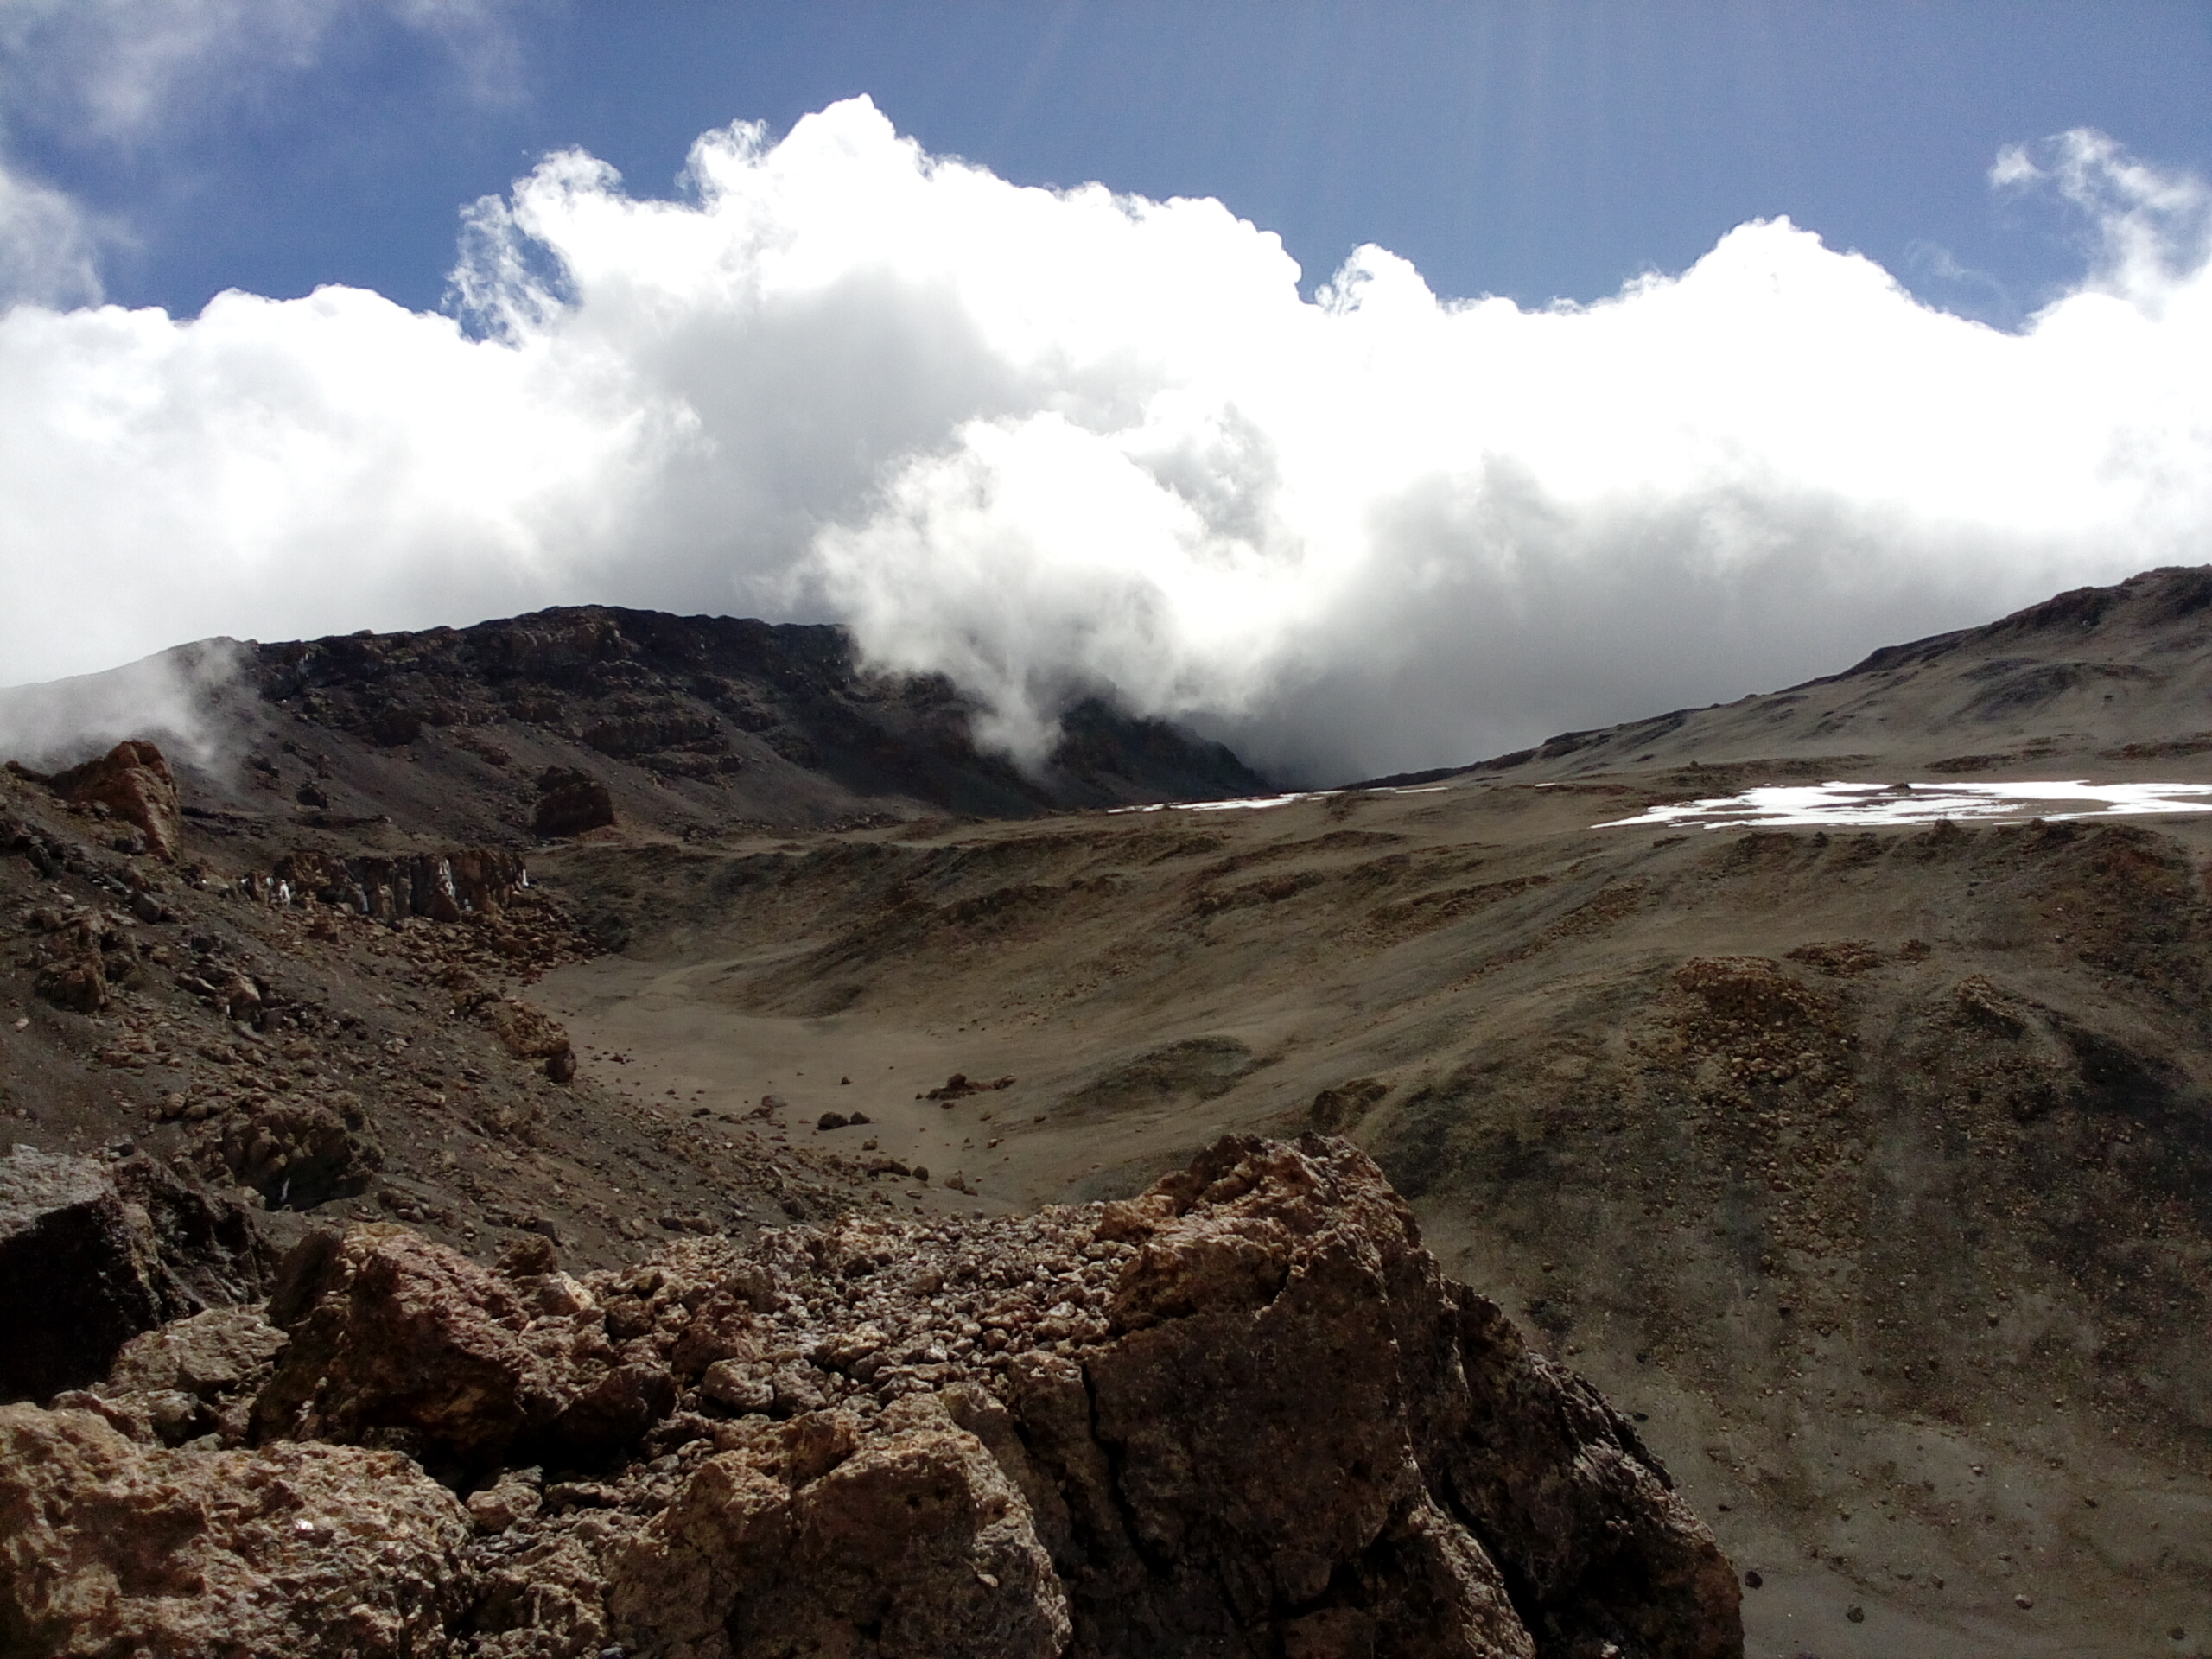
82,954
1244,1414
295,1154
93,1253
444,886
396,1337
133,781
108,1547
570,802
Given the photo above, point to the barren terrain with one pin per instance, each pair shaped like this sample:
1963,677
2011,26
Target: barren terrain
1866,1167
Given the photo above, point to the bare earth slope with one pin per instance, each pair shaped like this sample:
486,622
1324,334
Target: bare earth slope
1873,1168
2099,676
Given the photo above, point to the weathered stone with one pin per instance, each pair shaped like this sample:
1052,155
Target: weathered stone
133,781
91,1254
79,984
210,1356
1244,1414
294,1153
914,1542
391,1331
108,1548
526,1032
570,802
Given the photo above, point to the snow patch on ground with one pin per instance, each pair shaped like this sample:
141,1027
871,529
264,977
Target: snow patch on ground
1855,805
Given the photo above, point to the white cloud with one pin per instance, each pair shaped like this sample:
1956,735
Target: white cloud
49,247
119,69
1051,441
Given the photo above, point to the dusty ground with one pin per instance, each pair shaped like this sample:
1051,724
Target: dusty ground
1870,1168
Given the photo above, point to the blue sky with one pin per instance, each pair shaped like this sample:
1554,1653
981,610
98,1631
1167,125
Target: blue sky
1876,319
1529,150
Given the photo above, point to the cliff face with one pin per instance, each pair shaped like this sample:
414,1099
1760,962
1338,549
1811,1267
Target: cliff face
1242,1413
566,720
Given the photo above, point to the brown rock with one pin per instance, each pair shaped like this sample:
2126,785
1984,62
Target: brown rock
570,802
525,1032
210,1355
191,1377
91,1253
79,984
110,1547
1271,1277
133,781
296,1153
915,1543
392,1332
1242,1413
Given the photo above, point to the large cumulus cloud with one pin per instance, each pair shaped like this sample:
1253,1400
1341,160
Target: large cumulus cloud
1059,441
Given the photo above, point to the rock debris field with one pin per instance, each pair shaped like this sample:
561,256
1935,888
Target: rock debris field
1243,1413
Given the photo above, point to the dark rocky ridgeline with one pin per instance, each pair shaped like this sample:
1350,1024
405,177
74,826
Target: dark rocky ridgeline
1244,1414
670,720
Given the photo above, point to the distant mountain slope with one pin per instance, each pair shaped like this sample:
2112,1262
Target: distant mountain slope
2120,676
690,722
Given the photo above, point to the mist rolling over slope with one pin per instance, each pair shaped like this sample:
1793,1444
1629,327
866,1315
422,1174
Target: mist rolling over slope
1059,443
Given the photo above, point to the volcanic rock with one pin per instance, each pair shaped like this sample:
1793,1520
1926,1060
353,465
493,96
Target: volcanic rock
91,1253
1244,1414
295,1154
525,1032
110,1548
570,802
392,1333
133,781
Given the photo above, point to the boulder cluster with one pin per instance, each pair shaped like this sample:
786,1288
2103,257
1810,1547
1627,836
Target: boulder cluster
1243,1414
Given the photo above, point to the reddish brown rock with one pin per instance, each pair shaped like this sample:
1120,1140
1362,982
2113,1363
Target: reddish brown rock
109,1547
1245,1414
79,984
1451,1468
295,1154
526,1032
570,802
133,781
391,1332
912,1541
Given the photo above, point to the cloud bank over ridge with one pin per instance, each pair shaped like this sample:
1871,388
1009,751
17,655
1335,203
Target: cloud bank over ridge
1057,442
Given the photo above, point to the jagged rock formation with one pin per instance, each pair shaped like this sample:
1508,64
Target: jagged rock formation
444,886
133,781
1244,1414
91,1253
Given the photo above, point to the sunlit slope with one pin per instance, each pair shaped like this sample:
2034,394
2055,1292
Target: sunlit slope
2116,680
1844,1156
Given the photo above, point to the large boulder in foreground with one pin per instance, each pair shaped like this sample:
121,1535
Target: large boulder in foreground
91,1253
1244,1414
109,1546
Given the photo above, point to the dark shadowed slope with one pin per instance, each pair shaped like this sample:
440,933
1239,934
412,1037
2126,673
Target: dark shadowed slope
691,723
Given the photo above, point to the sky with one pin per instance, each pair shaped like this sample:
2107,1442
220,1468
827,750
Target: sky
1372,385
